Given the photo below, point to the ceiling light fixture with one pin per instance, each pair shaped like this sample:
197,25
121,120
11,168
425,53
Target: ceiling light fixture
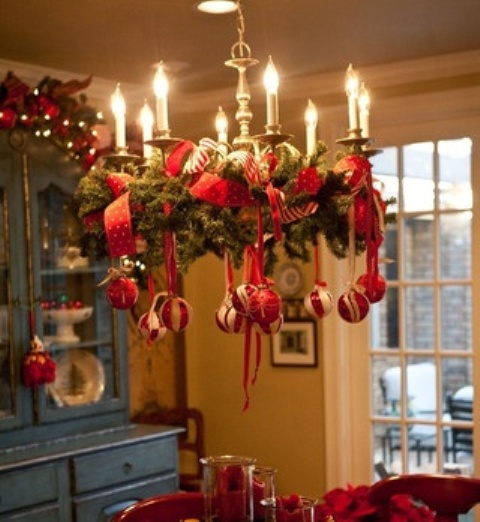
241,201
217,6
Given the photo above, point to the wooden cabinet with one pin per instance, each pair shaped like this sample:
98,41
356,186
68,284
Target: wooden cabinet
67,449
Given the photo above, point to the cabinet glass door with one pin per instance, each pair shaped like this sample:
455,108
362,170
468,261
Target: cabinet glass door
78,323
6,389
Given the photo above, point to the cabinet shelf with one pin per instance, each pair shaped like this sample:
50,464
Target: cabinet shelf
95,343
62,271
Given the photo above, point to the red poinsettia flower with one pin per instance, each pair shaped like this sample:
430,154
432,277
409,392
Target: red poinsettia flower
352,505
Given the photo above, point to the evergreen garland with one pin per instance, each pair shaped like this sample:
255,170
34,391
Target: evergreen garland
161,202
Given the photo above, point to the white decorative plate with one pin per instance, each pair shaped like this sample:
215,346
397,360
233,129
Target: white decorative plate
289,279
80,378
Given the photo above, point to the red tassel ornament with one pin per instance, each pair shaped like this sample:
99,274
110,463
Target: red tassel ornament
38,367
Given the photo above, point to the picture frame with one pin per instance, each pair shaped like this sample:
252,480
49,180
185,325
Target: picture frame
295,344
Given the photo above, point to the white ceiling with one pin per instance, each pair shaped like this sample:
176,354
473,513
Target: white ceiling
121,40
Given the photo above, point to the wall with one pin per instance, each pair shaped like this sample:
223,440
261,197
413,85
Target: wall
284,425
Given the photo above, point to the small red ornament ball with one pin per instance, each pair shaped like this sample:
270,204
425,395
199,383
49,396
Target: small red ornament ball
230,320
7,118
353,306
175,313
241,297
377,288
265,306
319,302
122,293
150,327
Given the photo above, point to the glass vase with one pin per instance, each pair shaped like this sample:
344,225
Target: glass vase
228,491
263,488
289,509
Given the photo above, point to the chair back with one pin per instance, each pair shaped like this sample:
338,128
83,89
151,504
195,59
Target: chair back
165,508
460,408
448,495
191,443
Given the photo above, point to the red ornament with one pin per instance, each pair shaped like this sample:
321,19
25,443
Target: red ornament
319,302
7,118
356,169
37,367
48,106
150,327
175,313
377,288
230,320
269,328
265,306
353,306
122,293
241,297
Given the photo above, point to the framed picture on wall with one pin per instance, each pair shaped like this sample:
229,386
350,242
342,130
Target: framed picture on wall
295,344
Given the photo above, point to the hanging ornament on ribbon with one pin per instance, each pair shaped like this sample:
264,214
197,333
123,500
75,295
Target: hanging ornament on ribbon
227,317
352,306
150,325
38,367
175,313
319,302
121,292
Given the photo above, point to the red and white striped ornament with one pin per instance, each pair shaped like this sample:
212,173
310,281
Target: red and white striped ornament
319,302
229,320
150,327
175,313
353,306
241,297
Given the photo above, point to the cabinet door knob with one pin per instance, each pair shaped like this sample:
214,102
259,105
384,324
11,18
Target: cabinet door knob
127,467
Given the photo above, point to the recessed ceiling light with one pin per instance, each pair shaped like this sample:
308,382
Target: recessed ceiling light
217,6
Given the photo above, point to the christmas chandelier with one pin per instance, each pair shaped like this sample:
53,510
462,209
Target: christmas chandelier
241,201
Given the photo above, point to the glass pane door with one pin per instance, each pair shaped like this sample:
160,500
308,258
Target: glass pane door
78,323
6,389
421,344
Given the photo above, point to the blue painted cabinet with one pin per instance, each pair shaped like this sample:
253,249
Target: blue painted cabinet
67,449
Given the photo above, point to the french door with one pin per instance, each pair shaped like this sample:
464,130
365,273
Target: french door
421,334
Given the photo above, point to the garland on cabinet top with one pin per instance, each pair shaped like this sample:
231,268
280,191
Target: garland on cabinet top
51,111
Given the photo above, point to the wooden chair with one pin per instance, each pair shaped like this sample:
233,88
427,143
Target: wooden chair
448,495
167,508
191,443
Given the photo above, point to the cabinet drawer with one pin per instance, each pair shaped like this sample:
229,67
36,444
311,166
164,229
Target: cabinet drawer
27,487
127,463
102,506
45,514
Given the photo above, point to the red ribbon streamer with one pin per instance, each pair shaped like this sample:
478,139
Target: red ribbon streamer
117,217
